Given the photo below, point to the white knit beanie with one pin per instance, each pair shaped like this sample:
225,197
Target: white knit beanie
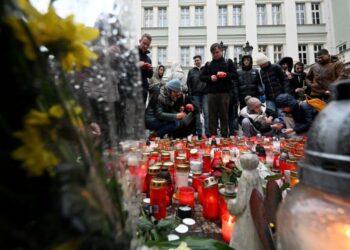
261,59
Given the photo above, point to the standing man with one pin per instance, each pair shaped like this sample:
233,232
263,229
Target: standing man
219,75
145,63
198,92
323,74
274,80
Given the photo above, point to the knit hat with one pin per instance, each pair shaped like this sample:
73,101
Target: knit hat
174,85
252,102
261,59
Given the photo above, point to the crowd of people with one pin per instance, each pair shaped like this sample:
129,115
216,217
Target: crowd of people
268,100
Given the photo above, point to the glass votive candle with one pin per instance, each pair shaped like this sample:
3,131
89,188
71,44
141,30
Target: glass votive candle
293,178
200,180
153,158
206,163
196,165
210,198
158,198
195,175
186,196
227,225
153,172
165,156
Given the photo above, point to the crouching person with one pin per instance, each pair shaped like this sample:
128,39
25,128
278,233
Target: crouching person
160,114
300,117
255,118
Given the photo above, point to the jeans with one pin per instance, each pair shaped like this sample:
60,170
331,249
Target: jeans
201,102
272,105
163,127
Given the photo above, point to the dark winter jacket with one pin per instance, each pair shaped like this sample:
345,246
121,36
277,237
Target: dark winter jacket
195,86
223,85
145,73
160,107
298,81
302,113
274,80
248,81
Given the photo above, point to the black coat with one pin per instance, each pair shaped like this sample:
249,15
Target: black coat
298,81
196,87
224,85
145,73
274,80
302,113
248,83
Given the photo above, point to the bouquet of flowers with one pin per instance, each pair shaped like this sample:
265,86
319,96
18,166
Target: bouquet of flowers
53,186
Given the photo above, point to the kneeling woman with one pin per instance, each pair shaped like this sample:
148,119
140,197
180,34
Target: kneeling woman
160,114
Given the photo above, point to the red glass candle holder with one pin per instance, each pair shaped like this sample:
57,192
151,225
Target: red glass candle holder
210,199
227,225
200,180
195,175
153,172
222,205
186,196
158,198
165,156
206,163
153,157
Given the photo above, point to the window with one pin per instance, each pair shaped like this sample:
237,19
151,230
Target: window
263,49
261,14
222,16
148,17
276,14
237,52
185,16
302,54
162,17
342,48
317,48
185,56
277,52
199,50
199,16
300,10
162,55
237,15
315,10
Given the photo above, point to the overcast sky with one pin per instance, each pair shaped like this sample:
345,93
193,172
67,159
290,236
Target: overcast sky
85,11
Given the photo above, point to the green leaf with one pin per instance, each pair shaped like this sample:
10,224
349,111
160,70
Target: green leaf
273,177
144,224
225,177
165,224
193,243
285,186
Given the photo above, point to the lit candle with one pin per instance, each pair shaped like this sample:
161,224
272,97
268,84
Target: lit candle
206,163
227,226
186,196
293,178
210,198
158,198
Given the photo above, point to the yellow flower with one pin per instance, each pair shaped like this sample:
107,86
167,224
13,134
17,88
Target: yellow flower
56,111
61,36
77,110
35,156
183,246
37,118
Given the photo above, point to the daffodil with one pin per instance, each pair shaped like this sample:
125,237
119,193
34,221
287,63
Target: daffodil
37,118
61,36
56,111
35,156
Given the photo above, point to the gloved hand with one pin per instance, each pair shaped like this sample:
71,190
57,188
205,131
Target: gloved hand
221,74
189,107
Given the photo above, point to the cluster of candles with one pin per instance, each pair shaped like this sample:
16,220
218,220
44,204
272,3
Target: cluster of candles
167,168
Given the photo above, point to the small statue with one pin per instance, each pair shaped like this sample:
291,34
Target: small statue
244,235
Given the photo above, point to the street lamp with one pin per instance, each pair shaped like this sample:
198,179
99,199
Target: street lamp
248,49
224,47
